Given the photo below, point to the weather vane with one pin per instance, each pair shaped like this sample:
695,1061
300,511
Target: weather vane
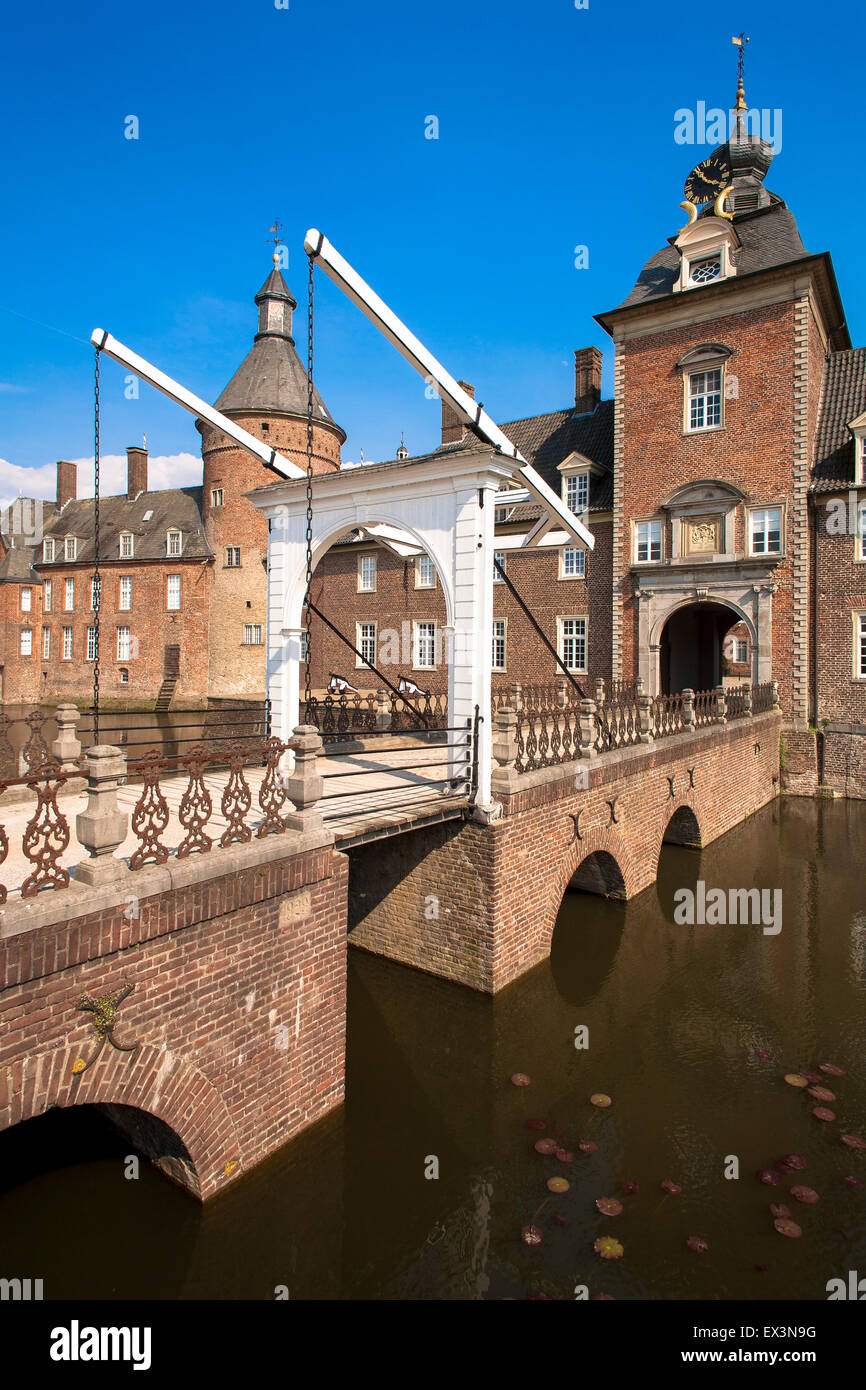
277,239
740,41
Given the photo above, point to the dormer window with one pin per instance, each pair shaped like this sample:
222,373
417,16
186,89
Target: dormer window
71,546
174,543
48,549
701,272
127,545
576,471
577,492
706,246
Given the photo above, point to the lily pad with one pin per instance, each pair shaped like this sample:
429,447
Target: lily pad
532,1235
609,1206
805,1194
791,1163
545,1146
795,1078
785,1227
631,1188
697,1243
672,1188
821,1093
778,1210
821,1113
853,1182
600,1100
853,1141
608,1248
587,1146
813,1077
536,1124
830,1069
565,1155
766,1175
520,1079
558,1184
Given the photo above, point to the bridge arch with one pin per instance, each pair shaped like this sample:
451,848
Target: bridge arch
682,828
153,1081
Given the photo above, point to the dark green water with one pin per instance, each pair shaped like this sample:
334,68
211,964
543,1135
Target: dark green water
675,1016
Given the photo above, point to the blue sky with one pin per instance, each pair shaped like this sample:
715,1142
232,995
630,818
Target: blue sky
556,129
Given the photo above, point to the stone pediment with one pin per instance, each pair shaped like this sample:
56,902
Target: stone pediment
704,495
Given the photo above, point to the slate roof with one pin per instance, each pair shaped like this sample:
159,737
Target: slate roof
172,508
545,440
769,238
271,377
843,398
16,567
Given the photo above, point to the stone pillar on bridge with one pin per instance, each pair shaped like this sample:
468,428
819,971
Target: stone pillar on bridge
775,685
688,709
516,693
561,692
66,748
383,709
101,827
504,777
721,705
305,785
586,724
644,718
747,697
599,691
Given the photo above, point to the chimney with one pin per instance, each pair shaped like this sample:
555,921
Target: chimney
587,379
453,427
136,470
67,482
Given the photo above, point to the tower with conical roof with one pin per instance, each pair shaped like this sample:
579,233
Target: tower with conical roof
267,396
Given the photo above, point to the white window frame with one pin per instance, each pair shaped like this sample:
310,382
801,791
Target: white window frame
858,620
48,549
755,512
25,645
26,599
124,588
562,637
67,644
91,644
172,607
95,586
232,564
46,596
652,525
70,548
126,545
46,644
741,643
252,640
365,562
417,664
360,639
579,483
705,396
500,557
580,559
124,643
860,542
216,497
502,637
427,562
173,544
69,592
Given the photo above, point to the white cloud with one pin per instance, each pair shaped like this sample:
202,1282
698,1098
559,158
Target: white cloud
10,388
163,471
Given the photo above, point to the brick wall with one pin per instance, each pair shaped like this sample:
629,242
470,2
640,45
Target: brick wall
844,759
478,904
239,1007
19,675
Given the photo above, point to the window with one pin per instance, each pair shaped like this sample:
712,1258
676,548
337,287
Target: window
425,573
69,595
46,596
125,597
859,646
71,546
365,641
95,593
572,562
127,545
216,496
124,675
705,400
701,272
91,644
572,643
67,644
173,592
425,645
124,644
499,644
26,600
766,531
174,544
366,574
861,532
46,643
577,492
302,654
499,557
252,635
26,641
233,556
741,651
48,549
647,542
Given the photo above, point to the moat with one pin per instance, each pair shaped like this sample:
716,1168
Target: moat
691,1031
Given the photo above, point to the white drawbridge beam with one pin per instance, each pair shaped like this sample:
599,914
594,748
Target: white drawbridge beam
175,392
468,410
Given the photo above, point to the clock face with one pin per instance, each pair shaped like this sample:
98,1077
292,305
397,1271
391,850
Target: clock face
706,181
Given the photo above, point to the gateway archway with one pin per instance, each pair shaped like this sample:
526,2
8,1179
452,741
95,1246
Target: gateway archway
691,648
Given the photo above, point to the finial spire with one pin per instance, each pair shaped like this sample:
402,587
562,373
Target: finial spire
276,238
740,40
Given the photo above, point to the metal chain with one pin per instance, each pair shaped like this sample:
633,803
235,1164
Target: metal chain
308,596
97,580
